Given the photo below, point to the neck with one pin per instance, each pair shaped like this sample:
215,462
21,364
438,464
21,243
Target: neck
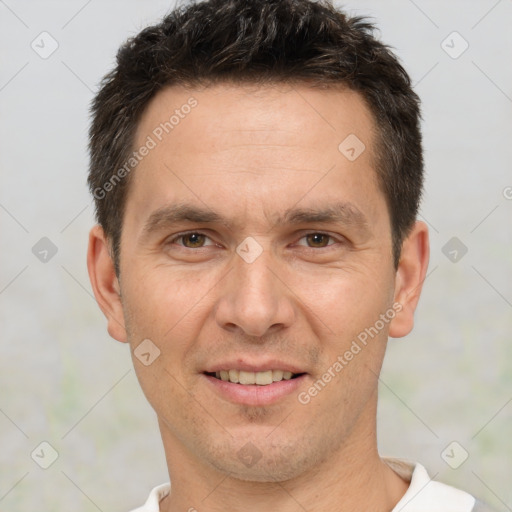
351,479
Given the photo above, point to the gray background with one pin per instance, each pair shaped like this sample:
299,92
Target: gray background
63,380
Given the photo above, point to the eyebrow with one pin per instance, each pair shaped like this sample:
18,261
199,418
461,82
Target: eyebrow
337,213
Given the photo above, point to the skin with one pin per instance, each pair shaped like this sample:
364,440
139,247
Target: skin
250,153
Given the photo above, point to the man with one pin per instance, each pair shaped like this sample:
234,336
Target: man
257,169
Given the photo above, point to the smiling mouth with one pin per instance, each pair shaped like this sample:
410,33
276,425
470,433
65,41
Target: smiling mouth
253,378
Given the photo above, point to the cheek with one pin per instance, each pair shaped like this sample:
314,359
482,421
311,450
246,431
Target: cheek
169,307
170,304
162,296
348,301
354,346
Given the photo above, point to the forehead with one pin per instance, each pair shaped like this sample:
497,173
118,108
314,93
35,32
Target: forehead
237,146
248,108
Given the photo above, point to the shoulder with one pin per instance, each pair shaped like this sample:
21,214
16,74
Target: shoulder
156,495
425,494
480,506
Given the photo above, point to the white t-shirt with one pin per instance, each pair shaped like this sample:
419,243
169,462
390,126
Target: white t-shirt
423,494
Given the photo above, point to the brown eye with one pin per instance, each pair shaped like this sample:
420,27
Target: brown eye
192,240
318,240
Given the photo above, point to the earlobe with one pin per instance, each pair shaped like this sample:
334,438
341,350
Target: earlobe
410,275
104,283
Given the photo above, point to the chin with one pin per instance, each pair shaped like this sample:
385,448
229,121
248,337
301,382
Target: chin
264,471
273,463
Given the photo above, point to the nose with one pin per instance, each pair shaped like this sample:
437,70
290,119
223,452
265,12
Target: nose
254,298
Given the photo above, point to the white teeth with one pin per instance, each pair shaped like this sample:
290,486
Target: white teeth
264,378
277,375
247,378
234,376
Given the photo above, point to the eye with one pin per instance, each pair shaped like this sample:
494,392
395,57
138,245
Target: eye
191,240
197,240
317,240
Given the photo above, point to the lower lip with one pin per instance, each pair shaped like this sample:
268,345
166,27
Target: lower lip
254,394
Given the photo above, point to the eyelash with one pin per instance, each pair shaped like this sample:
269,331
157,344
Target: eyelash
182,235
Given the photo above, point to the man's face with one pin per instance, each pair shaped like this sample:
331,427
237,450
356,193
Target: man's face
246,292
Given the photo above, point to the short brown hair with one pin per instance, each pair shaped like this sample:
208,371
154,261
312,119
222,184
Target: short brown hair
258,41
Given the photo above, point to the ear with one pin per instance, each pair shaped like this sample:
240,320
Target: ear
104,283
410,275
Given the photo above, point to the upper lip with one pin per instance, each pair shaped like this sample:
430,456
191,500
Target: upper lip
240,364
